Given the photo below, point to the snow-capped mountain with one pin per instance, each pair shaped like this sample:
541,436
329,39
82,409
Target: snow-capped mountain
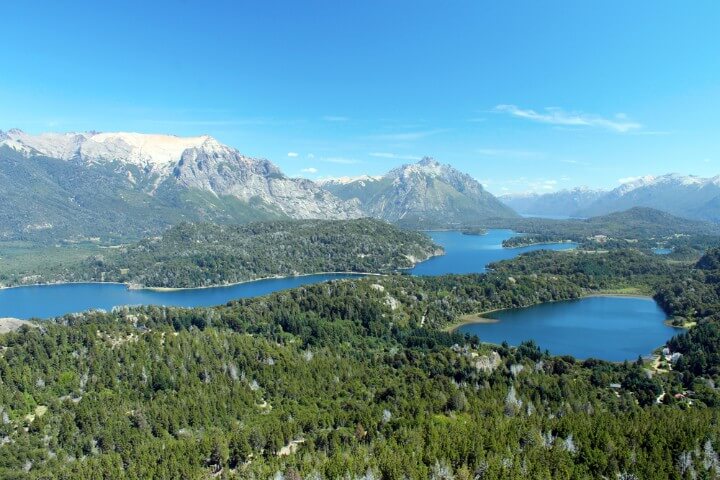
686,196
155,152
346,180
562,203
426,194
144,182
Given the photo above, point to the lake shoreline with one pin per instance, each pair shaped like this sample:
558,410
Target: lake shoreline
465,244
131,286
51,284
487,317
539,244
275,277
480,319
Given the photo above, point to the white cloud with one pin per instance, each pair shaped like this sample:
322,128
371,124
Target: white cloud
394,156
558,116
292,154
311,170
335,118
311,155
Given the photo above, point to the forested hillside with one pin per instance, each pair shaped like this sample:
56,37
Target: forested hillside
642,228
195,255
355,379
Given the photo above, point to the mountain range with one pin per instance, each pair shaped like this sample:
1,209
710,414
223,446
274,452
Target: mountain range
120,185
426,194
75,186
685,196
565,203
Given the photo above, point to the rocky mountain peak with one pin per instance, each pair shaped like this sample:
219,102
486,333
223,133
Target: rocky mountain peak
428,162
425,194
190,177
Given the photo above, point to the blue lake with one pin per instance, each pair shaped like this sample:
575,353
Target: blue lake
43,301
662,251
611,328
464,254
472,253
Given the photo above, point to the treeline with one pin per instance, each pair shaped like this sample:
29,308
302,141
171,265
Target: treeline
611,270
195,255
107,396
356,379
696,297
639,228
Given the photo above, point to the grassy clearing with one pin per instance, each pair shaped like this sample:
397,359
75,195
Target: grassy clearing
470,318
18,259
634,291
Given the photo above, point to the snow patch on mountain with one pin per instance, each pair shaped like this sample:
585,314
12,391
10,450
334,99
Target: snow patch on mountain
143,149
670,179
347,180
155,163
157,152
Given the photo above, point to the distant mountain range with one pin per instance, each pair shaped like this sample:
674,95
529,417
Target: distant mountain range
119,186
565,203
685,196
73,186
426,194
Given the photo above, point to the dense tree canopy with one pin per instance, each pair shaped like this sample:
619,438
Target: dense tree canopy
195,255
639,228
357,379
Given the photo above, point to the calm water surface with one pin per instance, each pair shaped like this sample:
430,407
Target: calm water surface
611,328
472,253
43,301
465,254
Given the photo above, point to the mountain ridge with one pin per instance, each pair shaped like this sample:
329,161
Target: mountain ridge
94,184
683,195
425,194
564,202
687,196
119,185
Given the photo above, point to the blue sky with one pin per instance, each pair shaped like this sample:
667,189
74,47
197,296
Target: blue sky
523,95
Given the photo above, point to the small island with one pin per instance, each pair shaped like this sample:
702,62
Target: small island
475,231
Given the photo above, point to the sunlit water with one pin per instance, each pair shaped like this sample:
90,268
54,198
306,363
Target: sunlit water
611,328
43,301
465,253
472,253
608,328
